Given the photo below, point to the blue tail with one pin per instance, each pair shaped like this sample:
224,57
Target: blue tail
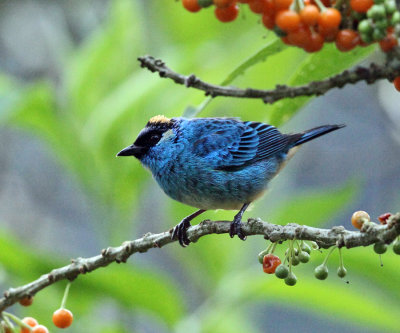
315,133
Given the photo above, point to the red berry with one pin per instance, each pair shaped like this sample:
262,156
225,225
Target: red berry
227,14
62,318
270,263
222,3
288,20
26,301
315,43
361,6
191,5
388,43
383,218
40,329
268,21
330,18
347,39
282,4
257,6
396,83
32,322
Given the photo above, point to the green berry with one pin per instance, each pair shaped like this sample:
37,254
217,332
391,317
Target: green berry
396,246
321,272
390,7
382,24
205,3
295,261
395,18
376,12
314,245
380,248
378,34
306,248
291,279
282,272
365,27
341,272
366,38
304,257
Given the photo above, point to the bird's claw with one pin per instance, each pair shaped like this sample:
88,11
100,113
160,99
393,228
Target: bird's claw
236,229
180,232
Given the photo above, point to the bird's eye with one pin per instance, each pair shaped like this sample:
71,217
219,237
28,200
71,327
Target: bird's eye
155,137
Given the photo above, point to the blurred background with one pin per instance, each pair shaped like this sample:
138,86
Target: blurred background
72,95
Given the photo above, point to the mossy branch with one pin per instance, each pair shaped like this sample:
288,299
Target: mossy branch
370,233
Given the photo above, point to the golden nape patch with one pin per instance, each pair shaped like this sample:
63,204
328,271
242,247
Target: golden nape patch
160,119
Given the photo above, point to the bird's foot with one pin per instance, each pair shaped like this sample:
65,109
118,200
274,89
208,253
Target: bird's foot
236,229
180,232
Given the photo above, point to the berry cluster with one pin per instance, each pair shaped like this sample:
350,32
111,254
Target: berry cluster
361,220
62,318
299,252
309,24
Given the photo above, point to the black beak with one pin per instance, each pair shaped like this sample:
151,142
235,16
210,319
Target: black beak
132,150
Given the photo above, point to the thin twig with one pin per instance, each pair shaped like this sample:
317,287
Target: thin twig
368,74
336,236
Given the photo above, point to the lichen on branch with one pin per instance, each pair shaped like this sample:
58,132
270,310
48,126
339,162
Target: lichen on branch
369,74
370,233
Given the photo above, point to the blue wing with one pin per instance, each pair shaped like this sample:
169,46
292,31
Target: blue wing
237,144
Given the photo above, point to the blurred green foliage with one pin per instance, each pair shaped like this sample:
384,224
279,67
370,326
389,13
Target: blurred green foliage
105,98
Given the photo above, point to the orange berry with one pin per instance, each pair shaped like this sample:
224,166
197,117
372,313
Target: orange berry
309,15
282,4
269,7
396,83
287,20
268,21
32,322
388,43
26,301
191,5
330,18
227,14
40,329
347,39
62,318
257,6
358,218
222,3
361,6
315,43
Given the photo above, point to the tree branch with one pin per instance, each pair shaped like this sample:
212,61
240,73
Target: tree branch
370,233
368,74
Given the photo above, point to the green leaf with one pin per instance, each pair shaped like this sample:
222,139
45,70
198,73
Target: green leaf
329,61
273,47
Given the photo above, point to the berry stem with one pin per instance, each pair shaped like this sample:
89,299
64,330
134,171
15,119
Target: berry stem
320,5
273,247
19,322
8,323
328,255
64,299
291,254
340,257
